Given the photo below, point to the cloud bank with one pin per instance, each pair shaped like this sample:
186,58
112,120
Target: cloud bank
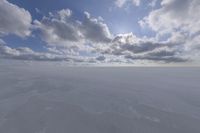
90,40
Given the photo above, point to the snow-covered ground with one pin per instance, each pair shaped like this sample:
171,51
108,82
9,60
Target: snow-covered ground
49,98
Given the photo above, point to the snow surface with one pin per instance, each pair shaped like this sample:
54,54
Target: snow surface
44,98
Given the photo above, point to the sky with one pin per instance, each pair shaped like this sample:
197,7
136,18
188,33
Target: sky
108,32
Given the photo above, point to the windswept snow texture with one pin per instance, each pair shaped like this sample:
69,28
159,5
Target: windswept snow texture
45,98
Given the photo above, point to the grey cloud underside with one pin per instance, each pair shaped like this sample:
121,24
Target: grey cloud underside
166,59
163,55
100,58
135,48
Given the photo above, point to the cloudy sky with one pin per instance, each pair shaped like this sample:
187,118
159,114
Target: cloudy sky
132,32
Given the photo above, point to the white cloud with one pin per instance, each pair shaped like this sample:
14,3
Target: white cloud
61,29
182,15
153,3
121,3
14,20
178,19
136,2
64,14
94,29
24,53
57,29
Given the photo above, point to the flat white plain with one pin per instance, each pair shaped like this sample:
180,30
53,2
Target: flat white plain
49,98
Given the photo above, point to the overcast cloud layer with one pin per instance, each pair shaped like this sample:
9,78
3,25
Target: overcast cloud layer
66,37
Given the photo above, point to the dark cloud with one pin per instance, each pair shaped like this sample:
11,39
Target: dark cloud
157,58
134,48
164,55
141,47
101,58
132,44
